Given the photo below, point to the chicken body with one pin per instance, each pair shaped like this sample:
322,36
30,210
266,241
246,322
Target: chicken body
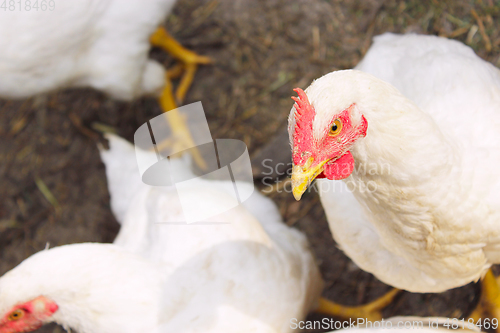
247,273
102,44
420,209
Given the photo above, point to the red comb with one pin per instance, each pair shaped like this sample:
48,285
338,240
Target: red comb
304,116
304,112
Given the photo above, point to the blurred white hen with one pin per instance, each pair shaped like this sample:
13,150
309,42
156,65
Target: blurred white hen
102,44
251,274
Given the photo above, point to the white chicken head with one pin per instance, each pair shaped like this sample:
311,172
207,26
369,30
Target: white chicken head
28,316
22,307
324,124
88,287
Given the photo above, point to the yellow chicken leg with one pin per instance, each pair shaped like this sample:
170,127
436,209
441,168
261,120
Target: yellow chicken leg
190,60
370,311
181,138
489,303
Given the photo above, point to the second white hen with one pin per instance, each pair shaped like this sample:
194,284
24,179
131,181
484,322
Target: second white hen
249,273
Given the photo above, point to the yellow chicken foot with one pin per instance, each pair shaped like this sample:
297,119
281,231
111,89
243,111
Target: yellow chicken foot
190,60
371,311
488,307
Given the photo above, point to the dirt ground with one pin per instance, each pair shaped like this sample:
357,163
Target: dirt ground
262,49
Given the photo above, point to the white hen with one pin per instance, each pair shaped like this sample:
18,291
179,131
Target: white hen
102,44
250,274
420,209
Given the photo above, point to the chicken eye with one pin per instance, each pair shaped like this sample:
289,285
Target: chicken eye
336,127
16,315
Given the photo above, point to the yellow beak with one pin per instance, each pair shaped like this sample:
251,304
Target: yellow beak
302,176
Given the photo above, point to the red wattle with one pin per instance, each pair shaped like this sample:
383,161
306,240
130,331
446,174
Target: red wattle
340,168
